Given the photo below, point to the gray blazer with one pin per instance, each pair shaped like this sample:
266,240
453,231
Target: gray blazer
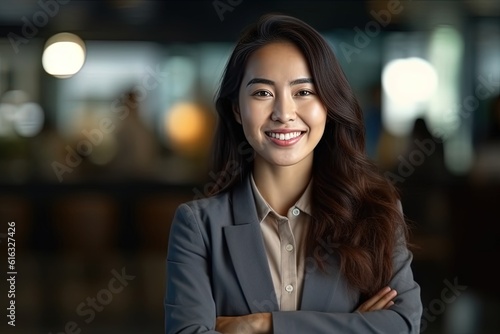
217,266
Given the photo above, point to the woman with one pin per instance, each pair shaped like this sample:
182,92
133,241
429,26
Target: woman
301,233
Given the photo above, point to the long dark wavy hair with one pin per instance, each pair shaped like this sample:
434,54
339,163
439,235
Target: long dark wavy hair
354,207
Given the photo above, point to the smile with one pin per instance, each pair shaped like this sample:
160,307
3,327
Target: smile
284,136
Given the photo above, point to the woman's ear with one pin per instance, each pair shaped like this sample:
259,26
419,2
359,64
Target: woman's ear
236,113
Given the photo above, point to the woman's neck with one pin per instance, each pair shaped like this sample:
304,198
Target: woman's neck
281,186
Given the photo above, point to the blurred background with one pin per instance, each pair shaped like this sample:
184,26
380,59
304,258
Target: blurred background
106,116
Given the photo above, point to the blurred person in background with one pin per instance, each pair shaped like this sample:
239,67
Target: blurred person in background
137,148
301,233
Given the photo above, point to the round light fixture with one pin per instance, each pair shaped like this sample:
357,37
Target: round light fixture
64,55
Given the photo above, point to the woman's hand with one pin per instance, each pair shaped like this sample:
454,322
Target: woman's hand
257,323
381,301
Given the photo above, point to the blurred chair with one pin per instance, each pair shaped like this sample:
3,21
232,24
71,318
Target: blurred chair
86,225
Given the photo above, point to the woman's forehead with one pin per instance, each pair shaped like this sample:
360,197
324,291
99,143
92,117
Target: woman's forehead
279,60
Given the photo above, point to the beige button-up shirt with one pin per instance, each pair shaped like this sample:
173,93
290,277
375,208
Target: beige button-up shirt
284,239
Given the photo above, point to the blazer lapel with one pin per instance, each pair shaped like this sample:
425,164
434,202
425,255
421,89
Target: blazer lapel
247,251
320,287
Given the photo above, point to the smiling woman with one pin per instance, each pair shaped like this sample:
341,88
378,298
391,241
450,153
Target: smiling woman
306,236
282,117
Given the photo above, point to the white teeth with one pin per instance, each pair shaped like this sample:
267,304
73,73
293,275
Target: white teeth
284,136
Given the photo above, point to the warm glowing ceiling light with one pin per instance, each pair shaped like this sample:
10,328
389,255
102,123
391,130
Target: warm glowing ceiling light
64,55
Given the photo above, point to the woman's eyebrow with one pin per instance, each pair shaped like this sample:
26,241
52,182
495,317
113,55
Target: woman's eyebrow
301,81
260,80
271,83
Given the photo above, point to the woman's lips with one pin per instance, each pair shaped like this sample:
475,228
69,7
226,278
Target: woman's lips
282,138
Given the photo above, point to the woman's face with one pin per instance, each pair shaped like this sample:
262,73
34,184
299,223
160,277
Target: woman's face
282,116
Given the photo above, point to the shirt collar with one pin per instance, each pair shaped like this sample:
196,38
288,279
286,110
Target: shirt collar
263,208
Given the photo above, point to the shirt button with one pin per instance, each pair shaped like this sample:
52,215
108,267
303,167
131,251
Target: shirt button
289,288
289,247
296,212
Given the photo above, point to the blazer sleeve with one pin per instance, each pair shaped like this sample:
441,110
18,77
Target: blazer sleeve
189,304
403,317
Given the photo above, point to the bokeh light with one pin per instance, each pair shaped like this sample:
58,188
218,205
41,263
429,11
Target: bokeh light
410,80
28,120
408,85
64,55
187,127
20,116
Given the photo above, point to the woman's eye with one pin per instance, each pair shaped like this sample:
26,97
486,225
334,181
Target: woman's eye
304,93
262,93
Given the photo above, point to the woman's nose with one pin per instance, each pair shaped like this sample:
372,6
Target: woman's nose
284,110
